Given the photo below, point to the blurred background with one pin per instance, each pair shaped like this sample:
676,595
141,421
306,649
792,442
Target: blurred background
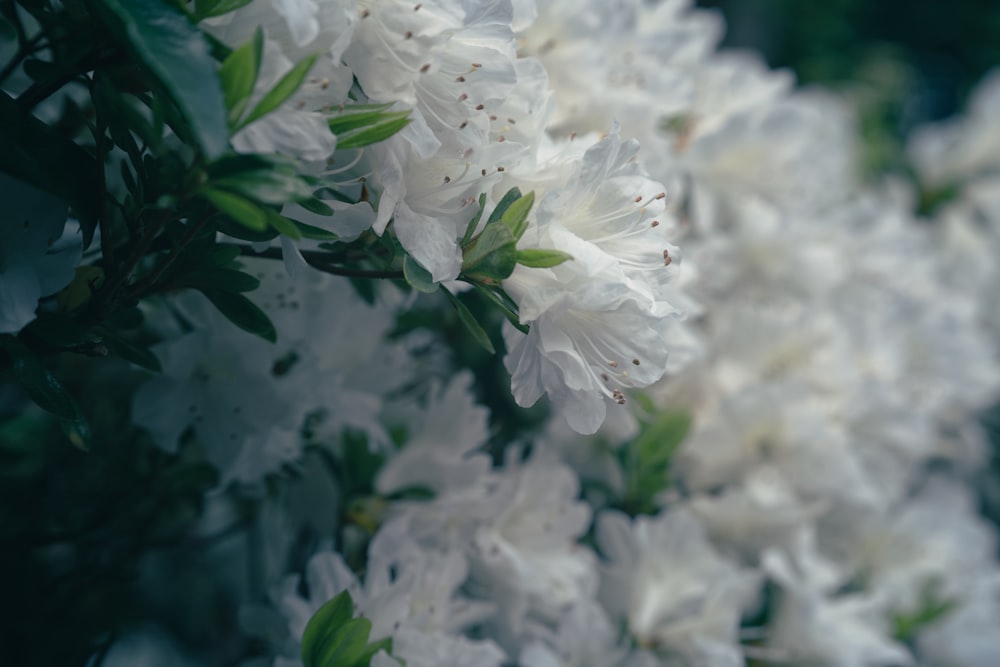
905,62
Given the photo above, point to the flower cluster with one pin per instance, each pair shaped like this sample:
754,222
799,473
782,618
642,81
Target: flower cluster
762,374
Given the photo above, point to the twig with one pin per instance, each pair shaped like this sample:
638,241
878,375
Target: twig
322,261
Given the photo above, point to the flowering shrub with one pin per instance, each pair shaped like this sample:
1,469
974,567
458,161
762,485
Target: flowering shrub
348,333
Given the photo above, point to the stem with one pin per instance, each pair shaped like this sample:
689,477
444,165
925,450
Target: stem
101,150
321,261
149,281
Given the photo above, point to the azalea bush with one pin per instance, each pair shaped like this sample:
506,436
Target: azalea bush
354,333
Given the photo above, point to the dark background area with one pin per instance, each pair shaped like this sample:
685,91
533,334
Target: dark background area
905,62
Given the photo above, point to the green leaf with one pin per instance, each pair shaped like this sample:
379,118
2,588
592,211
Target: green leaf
316,205
237,208
220,279
538,258
658,440
40,157
47,391
176,55
208,8
418,277
276,185
384,644
284,89
314,233
516,215
140,356
242,312
283,225
470,229
492,255
356,116
509,198
469,320
648,460
228,227
56,329
224,254
324,623
238,75
389,124
503,301
345,646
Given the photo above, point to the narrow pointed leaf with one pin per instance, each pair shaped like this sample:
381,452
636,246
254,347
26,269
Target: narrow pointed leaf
242,312
356,116
239,209
371,134
418,277
325,622
283,90
175,53
539,258
469,320
516,215
238,75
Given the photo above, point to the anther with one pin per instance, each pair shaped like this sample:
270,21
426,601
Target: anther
613,364
460,79
638,199
447,179
424,68
408,34
480,107
512,121
500,169
667,258
635,362
417,7
463,97
662,195
477,65
365,13
463,125
501,139
654,223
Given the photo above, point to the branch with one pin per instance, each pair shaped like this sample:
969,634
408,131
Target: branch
321,261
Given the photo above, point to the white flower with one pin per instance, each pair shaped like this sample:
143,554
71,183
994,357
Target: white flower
668,581
32,264
597,321
443,439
